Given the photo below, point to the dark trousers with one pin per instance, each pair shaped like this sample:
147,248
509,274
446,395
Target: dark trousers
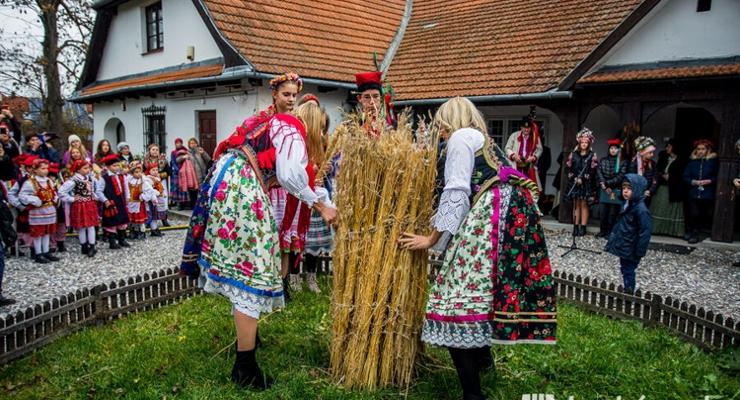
699,212
193,194
609,214
628,268
311,263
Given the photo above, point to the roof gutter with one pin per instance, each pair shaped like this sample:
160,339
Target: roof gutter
396,42
496,98
240,72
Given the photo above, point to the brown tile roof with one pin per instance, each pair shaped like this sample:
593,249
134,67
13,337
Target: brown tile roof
487,47
658,73
321,39
161,78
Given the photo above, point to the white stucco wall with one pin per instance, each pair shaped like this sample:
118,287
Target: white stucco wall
675,31
181,119
183,27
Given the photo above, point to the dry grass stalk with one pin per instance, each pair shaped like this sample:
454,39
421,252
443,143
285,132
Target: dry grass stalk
384,187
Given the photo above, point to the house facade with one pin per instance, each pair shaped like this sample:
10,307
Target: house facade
669,67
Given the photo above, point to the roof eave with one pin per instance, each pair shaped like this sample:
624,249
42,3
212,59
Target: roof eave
495,98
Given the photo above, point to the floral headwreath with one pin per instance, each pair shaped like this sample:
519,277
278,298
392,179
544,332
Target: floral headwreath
644,143
288,76
585,133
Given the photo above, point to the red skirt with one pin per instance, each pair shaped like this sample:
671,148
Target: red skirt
42,230
84,214
139,217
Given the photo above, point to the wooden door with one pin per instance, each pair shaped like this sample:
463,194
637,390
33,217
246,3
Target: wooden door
207,130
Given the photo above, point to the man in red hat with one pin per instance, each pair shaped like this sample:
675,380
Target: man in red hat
371,98
610,175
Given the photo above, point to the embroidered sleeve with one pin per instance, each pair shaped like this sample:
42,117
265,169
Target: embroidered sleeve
65,192
291,161
454,203
28,195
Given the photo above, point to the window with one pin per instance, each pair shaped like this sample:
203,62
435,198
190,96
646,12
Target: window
703,5
154,28
154,127
496,131
120,132
500,128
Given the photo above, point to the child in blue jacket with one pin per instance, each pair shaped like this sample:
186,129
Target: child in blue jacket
630,237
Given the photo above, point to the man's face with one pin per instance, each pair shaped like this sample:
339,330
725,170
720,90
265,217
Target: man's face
4,137
34,142
370,100
526,130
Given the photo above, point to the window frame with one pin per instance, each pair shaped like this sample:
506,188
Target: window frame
153,23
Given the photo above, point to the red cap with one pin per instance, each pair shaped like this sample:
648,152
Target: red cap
614,142
369,80
20,159
178,140
54,168
110,159
77,164
705,142
39,161
28,162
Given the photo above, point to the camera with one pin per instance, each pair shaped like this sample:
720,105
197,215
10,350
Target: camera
3,131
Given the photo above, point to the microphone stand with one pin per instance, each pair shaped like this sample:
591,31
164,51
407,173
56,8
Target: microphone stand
573,245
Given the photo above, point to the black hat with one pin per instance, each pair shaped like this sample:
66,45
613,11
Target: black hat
526,121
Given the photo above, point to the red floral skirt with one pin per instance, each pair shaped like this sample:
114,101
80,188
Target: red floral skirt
42,230
84,214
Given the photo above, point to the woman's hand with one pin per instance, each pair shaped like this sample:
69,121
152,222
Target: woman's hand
329,214
410,241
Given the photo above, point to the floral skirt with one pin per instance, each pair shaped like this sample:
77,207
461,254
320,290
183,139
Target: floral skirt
495,286
239,256
667,217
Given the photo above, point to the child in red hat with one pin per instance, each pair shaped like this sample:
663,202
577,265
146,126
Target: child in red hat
80,192
39,194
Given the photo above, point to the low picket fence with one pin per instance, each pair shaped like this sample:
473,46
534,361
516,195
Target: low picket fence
26,331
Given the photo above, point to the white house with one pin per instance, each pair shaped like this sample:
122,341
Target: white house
162,69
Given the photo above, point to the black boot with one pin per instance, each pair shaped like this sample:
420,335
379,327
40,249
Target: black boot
49,257
467,365
60,247
584,231
40,259
286,292
91,252
156,233
486,362
247,373
122,238
84,248
576,230
112,243
165,222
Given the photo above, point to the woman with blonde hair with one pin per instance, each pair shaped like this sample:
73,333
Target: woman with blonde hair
495,285
233,241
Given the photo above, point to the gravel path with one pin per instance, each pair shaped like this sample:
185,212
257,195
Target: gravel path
30,283
704,277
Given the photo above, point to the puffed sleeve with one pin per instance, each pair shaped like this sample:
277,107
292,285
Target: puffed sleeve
291,161
28,196
65,191
454,203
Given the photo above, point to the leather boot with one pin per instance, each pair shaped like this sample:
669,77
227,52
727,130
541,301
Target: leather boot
246,373
122,238
91,252
60,247
83,248
112,243
50,257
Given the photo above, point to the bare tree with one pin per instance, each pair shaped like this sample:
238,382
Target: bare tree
57,66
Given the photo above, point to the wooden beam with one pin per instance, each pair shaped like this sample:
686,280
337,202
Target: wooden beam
723,226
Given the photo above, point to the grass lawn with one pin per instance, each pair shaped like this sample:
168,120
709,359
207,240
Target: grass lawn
186,352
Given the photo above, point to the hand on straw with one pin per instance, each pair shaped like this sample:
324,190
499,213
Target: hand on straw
410,241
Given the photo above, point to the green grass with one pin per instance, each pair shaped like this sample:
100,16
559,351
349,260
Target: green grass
186,352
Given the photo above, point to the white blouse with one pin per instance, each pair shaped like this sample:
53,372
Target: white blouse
291,161
454,203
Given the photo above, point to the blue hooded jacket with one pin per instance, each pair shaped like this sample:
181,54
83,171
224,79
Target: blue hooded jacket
631,234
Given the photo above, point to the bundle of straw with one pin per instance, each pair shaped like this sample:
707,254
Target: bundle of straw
384,187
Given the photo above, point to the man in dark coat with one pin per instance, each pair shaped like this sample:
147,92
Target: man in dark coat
630,237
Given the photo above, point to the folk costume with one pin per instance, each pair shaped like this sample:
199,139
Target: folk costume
373,80
82,194
140,193
526,146
177,196
645,167
582,167
667,206
115,213
39,194
610,175
164,172
57,242
156,209
233,239
495,286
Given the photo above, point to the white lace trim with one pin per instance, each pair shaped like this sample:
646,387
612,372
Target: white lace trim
247,303
454,205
